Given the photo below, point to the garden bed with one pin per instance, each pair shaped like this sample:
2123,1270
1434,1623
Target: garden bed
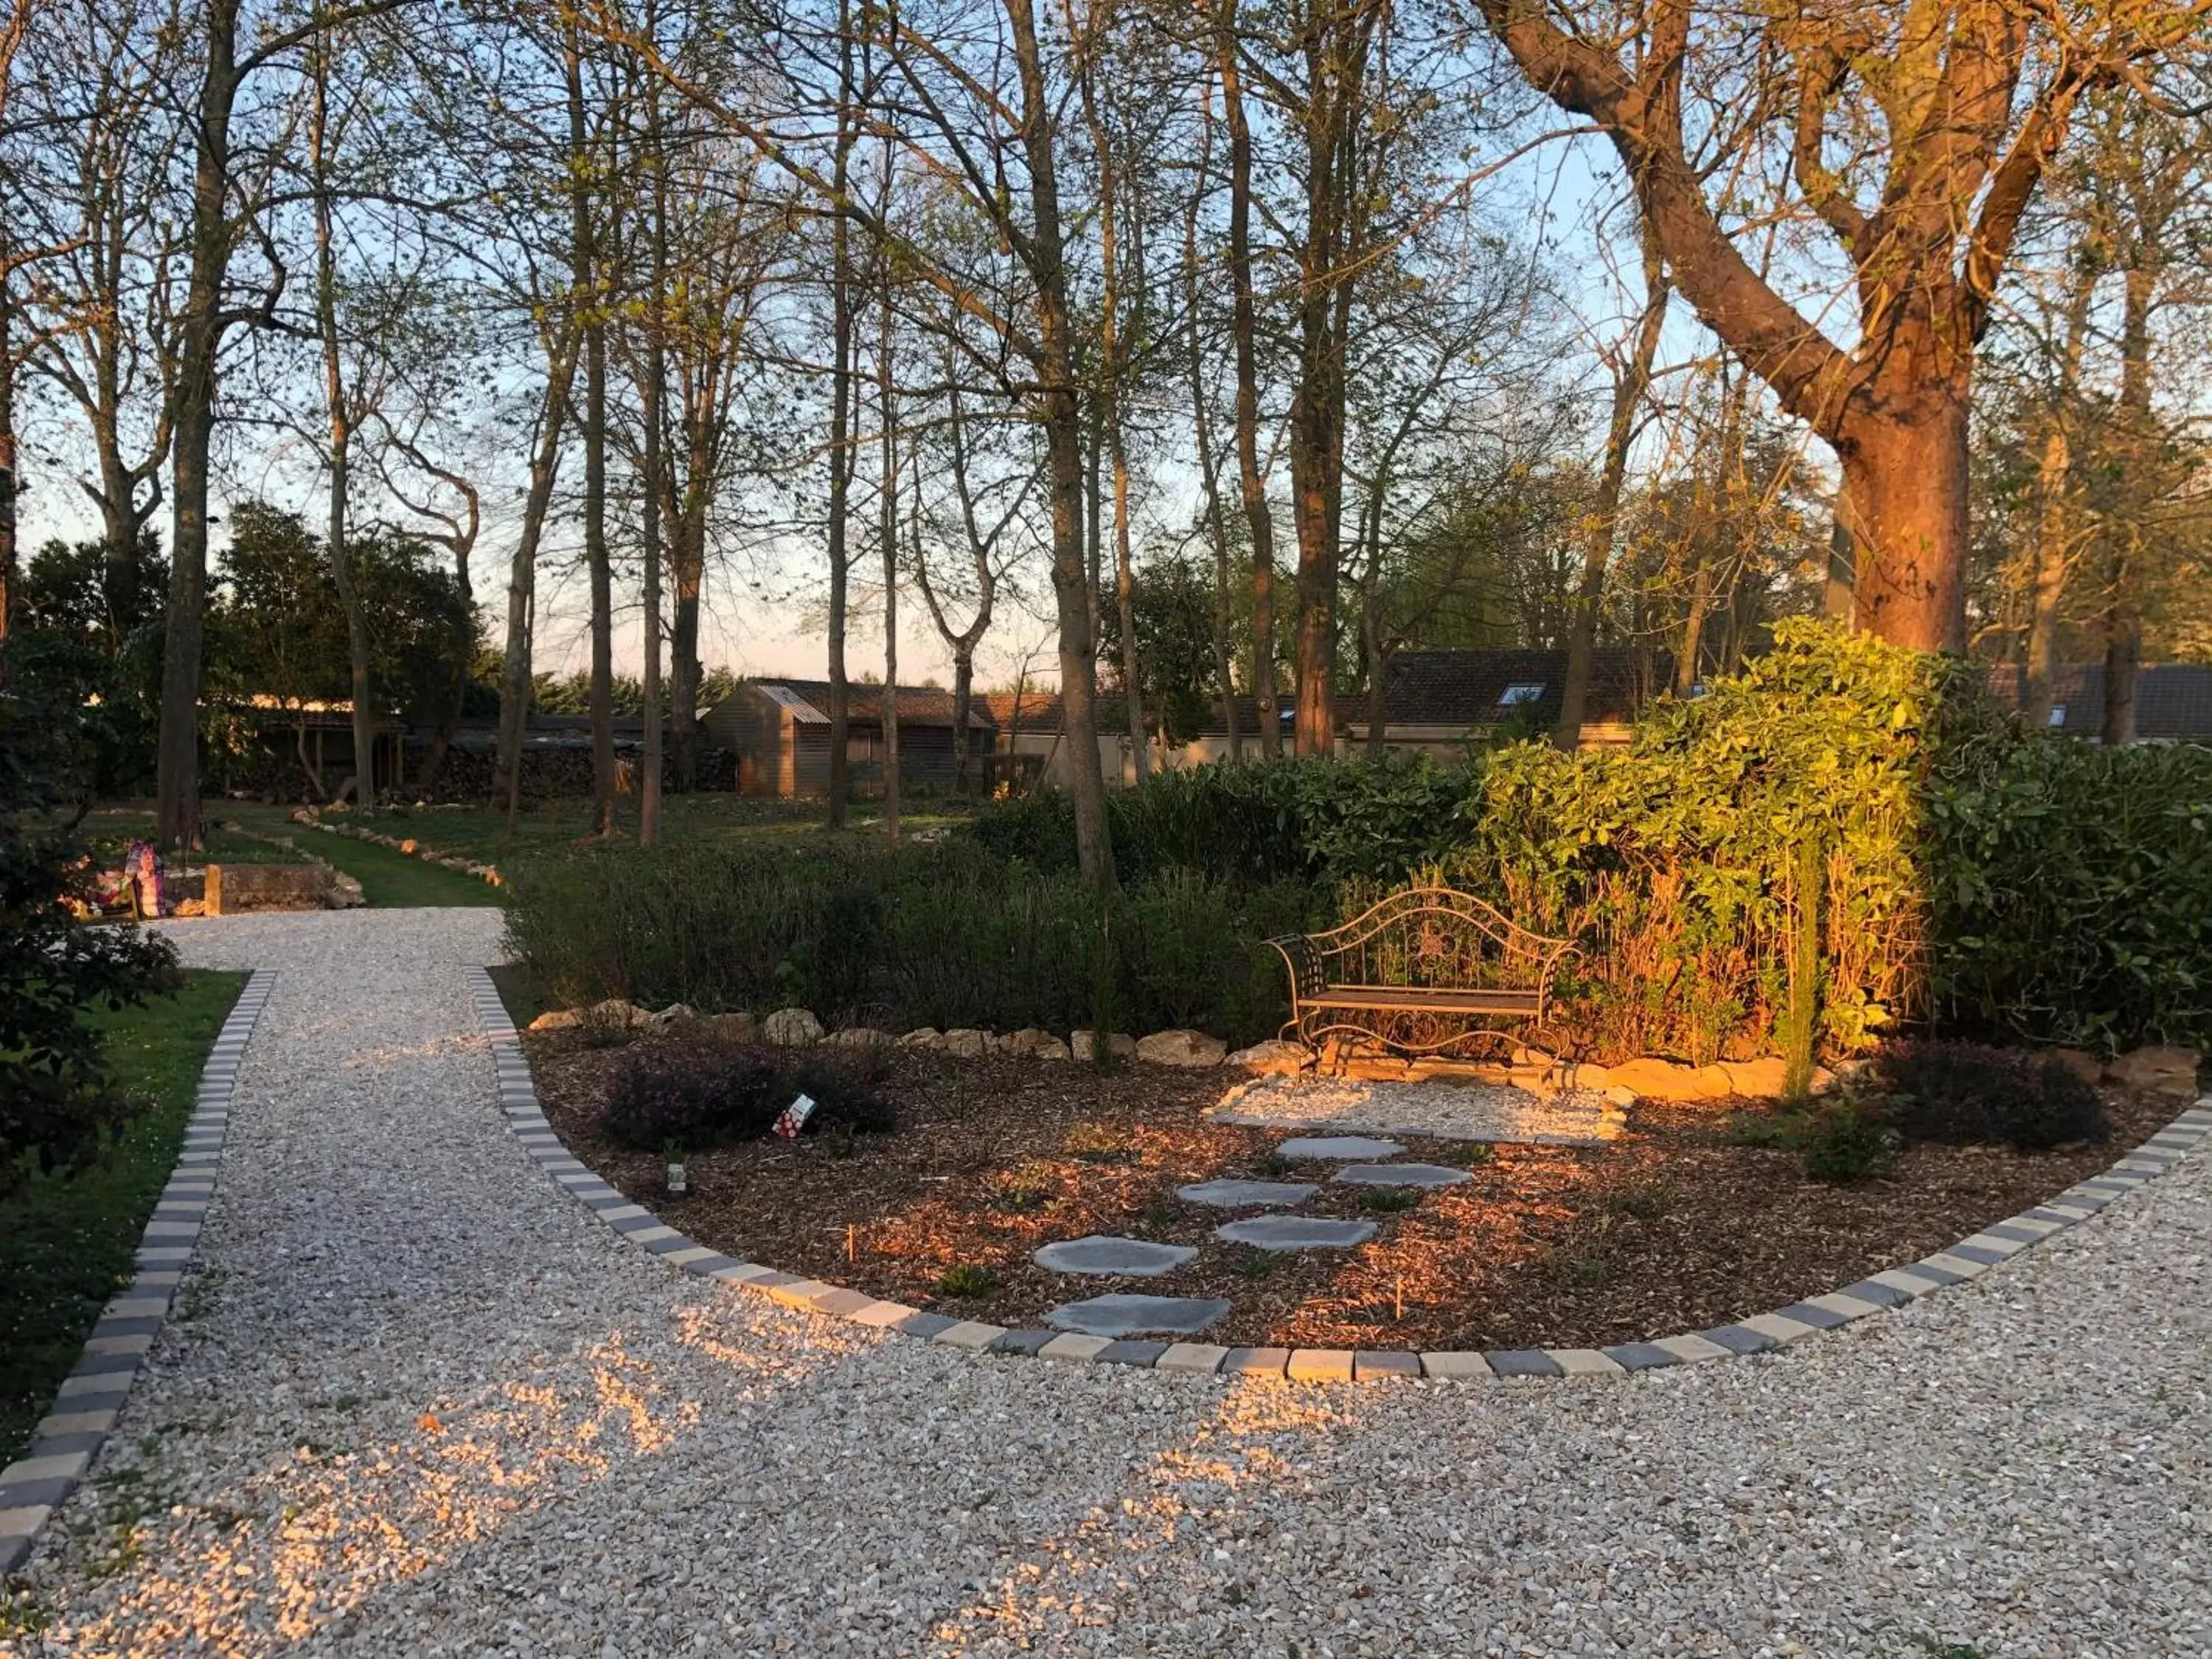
1672,1227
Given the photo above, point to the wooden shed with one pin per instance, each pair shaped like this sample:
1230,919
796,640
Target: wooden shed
779,730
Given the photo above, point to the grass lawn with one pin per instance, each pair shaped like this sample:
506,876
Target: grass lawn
68,1245
480,833
390,880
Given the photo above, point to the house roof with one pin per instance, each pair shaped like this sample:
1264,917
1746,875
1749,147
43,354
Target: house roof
917,705
1464,689
2172,699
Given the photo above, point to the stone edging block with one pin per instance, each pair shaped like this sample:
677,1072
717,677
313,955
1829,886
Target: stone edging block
1999,1242
67,1440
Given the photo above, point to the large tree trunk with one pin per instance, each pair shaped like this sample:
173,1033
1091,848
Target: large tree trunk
651,495
1217,529
584,262
1628,388
1906,470
199,337
2047,582
1251,488
334,399
514,683
841,427
1062,412
887,511
10,572
2122,619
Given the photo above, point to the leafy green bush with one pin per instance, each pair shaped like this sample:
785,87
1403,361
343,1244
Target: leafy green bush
2072,890
1963,1093
1313,820
56,1096
1845,1138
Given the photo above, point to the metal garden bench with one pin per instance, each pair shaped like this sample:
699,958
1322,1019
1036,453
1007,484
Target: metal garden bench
1427,971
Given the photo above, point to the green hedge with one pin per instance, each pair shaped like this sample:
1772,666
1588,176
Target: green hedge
946,934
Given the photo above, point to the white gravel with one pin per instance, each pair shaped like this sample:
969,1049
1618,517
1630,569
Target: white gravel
429,1407
1454,1110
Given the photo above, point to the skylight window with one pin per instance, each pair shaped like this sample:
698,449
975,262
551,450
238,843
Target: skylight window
1516,696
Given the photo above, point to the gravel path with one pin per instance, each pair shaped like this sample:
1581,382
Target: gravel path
427,1405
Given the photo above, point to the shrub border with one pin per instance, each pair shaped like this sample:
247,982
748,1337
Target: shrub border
1969,1258
68,1439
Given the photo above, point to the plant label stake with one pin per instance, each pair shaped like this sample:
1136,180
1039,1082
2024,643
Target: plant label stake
792,1118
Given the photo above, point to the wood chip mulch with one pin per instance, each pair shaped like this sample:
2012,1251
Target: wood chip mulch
1669,1229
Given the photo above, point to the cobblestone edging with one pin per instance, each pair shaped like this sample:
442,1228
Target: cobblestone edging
69,1437
1968,1259
406,845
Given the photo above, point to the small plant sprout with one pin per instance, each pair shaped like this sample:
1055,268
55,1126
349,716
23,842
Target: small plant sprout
966,1280
1387,1200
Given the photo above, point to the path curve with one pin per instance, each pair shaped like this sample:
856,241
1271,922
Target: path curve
425,1404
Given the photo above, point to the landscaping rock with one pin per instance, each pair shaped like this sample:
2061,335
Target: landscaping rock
1085,1046
557,1019
345,894
1031,1043
2164,1073
1351,1147
1181,1046
1401,1174
1122,1258
673,1012
927,1036
967,1043
1296,1232
613,1014
1662,1079
735,1027
1763,1079
792,1028
860,1037
1274,1057
1229,1194
1125,1314
1622,1098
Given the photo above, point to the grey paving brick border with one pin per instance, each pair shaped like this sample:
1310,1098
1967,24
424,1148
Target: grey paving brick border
1765,1333
69,1437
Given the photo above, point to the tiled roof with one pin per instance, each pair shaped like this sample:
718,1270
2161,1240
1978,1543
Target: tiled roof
2172,699
918,705
1474,688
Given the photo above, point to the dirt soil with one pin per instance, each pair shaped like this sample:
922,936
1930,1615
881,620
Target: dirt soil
1668,1228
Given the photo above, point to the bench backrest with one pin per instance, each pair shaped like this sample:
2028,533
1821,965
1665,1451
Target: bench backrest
1430,936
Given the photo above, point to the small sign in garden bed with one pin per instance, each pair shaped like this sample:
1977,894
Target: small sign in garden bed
1691,1215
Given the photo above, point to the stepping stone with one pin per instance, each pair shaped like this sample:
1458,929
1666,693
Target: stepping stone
1402,1174
1343,1146
1135,1258
1138,1316
1246,1194
1297,1232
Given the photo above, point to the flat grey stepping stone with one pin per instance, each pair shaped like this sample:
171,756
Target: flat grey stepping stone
1138,1316
1297,1232
1246,1194
1343,1146
1402,1174
1135,1258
